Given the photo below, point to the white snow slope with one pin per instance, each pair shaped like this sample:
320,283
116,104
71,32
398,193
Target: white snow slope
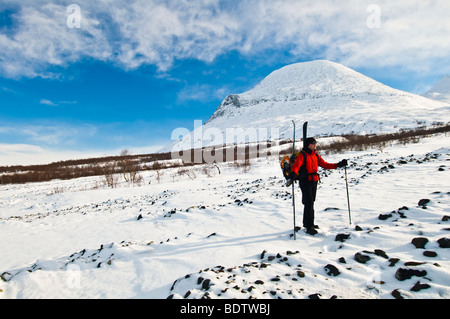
228,235
334,99
441,90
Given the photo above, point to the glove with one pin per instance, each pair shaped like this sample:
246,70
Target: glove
292,176
342,163
290,179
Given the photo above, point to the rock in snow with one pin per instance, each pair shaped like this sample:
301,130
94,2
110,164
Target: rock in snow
444,242
406,273
361,258
332,270
419,242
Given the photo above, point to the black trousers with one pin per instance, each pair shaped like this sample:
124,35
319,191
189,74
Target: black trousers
309,190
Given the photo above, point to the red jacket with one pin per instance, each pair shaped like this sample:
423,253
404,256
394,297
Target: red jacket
313,161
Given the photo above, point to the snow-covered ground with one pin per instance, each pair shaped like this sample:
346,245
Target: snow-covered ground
229,235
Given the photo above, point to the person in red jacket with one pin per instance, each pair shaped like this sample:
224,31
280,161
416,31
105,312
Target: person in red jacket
308,177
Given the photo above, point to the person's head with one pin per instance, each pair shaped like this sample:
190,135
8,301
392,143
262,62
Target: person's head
311,143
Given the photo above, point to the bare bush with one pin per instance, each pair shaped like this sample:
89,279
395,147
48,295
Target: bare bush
206,169
129,168
158,165
244,165
159,174
354,142
188,172
110,175
129,165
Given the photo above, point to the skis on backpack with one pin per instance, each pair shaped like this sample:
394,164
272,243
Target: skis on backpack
305,135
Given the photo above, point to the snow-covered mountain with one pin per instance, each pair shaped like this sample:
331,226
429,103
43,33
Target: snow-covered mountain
441,90
334,99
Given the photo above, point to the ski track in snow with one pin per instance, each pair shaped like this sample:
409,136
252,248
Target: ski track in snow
230,235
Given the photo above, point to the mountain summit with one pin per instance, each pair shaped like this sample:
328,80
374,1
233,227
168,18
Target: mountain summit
334,99
298,87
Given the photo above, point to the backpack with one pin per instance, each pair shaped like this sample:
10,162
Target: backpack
288,161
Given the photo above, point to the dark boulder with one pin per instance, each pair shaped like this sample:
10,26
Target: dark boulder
429,253
444,242
332,270
397,294
342,237
263,254
206,284
406,273
423,203
381,253
384,216
393,261
361,258
418,286
419,242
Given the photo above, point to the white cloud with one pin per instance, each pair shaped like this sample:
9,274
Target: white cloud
58,134
157,32
202,93
49,134
8,90
86,137
28,154
412,34
47,102
41,39
51,103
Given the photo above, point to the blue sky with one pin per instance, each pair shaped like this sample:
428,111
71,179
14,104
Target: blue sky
94,77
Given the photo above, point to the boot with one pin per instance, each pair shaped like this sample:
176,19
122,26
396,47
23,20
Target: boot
311,231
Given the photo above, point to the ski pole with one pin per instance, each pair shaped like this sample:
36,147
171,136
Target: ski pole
293,206
293,140
293,183
348,198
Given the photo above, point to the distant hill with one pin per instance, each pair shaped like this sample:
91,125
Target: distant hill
440,91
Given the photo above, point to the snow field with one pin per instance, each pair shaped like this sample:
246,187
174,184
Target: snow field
205,237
